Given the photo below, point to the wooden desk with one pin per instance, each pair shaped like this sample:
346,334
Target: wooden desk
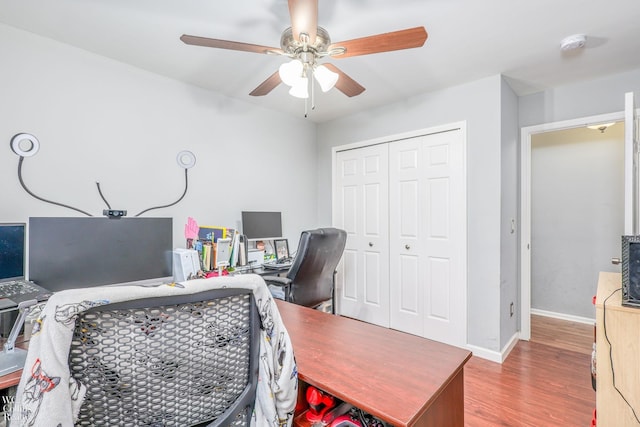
13,378
10,380
400,378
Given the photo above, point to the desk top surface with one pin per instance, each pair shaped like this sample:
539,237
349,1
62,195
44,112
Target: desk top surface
390,374
610,290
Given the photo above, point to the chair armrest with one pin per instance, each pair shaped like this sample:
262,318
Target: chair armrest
277,280
281,282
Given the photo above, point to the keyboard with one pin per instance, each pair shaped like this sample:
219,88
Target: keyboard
17,287
13,293
277,266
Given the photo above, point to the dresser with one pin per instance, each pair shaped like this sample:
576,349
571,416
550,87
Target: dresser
622,327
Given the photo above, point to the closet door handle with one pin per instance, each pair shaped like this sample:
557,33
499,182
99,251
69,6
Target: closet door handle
370,244
407,247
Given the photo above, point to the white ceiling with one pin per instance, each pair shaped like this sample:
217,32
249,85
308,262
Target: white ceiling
468,40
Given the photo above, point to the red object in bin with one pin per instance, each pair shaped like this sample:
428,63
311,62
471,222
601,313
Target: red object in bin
319,403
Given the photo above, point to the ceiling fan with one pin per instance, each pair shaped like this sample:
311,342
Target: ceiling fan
306,43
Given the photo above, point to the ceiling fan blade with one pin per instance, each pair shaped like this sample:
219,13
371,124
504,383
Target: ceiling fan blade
226,44
346,84
268,85
304,18
396,40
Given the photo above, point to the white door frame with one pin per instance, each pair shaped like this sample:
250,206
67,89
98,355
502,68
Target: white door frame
525,203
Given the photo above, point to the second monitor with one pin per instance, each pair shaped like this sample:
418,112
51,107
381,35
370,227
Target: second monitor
262,225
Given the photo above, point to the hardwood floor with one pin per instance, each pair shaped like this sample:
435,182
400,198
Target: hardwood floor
562,334
543,382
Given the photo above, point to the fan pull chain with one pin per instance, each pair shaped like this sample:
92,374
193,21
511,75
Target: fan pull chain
313,91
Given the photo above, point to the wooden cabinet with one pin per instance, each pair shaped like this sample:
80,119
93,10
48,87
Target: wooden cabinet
621,325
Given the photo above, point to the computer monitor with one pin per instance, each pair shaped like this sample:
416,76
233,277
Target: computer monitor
12,264
70,252
262,225
12,251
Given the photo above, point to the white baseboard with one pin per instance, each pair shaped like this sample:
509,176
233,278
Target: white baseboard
510,345
500,356
484,353
492,355
562,316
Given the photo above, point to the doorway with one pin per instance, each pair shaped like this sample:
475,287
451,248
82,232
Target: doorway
559,189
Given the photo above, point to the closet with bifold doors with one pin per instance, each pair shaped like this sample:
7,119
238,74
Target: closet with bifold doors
402,202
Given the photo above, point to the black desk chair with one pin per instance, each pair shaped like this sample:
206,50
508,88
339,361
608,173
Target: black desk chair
311,279
155,359
178,361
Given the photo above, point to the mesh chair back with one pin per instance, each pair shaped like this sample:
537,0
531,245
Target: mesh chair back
190,360
312,271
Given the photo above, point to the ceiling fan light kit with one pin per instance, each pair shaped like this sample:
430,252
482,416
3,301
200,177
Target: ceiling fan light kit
290,72
296,74
305,43
300,89
326,79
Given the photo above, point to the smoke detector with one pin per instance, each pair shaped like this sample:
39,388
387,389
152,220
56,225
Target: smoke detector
573,42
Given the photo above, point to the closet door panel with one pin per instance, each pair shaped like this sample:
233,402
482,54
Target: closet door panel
372,280
426,180
349,274
410,290
407,292
444,237
361,185
439,296
349,200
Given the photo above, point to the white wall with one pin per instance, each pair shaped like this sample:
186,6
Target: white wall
510,201
101,120
479,104
577,215
580,99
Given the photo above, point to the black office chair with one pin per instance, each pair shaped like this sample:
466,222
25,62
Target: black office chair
171,361
311,279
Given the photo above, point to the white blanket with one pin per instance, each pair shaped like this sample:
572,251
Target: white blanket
48,396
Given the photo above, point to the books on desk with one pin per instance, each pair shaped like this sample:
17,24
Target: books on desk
212,254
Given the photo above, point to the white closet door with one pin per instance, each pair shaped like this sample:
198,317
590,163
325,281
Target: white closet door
427,220
361,209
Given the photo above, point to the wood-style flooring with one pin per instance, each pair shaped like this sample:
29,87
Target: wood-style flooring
543,382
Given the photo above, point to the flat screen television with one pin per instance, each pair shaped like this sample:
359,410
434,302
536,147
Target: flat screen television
262,225
69,253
